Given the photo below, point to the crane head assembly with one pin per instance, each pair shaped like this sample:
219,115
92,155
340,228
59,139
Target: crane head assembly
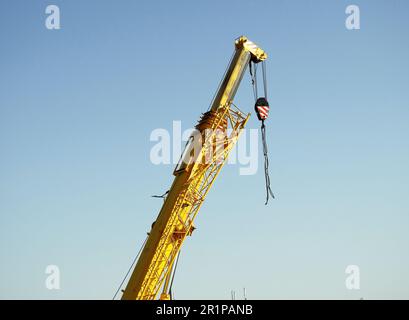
257,54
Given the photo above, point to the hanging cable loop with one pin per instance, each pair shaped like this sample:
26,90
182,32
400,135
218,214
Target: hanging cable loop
262,109
265,153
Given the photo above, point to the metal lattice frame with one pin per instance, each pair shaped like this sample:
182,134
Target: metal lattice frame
193,193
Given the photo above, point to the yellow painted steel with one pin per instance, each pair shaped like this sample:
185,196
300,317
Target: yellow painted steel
217,132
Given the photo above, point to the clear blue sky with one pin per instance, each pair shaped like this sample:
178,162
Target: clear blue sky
77,107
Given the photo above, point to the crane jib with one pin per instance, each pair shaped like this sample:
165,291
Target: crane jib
152,274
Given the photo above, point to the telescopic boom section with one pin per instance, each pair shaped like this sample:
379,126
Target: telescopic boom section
205,154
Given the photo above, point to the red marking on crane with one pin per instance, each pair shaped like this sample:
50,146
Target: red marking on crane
263,111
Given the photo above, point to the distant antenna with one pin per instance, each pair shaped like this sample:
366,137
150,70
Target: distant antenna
244,294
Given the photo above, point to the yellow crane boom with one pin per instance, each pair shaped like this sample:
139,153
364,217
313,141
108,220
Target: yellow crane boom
205,154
